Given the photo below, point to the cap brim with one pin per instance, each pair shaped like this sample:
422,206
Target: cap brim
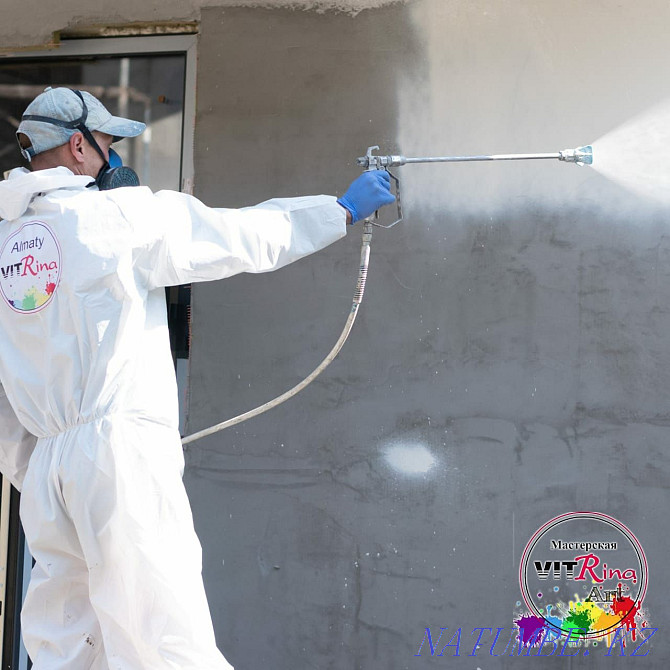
119,128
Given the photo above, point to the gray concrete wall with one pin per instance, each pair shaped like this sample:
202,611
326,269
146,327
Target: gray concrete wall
513,338
514,331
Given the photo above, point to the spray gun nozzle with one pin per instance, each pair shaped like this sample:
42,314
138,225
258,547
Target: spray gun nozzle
580,155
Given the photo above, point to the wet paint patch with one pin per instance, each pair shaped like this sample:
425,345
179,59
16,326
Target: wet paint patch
409,459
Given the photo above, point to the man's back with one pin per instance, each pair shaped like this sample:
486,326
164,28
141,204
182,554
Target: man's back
83,337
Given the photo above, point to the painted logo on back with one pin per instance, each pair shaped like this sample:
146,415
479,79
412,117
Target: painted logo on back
30,267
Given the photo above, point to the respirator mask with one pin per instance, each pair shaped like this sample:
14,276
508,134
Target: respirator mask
112,174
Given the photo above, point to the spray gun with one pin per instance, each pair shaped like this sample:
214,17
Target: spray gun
580,156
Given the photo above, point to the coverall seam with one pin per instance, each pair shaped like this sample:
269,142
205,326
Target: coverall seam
96,417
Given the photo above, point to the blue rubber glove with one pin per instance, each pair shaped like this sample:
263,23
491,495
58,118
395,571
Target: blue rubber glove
367,194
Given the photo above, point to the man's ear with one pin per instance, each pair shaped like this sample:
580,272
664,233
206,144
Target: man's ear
76,144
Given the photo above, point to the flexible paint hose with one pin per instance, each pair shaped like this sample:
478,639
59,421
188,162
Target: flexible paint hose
358,298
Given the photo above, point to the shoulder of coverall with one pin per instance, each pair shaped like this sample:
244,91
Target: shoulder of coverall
140,204
21,186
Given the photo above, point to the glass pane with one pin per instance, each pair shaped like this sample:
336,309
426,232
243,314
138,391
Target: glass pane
145,88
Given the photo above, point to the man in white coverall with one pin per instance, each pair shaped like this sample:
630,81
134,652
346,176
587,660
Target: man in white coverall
88,403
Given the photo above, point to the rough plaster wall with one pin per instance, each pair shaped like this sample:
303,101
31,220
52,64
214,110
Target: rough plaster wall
64,15
351,7
514,330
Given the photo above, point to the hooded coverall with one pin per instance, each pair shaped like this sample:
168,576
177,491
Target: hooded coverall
88,405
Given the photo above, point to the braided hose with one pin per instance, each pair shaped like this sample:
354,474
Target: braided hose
357,300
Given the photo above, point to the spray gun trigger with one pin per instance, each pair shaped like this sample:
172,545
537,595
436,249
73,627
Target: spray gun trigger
398,203
373,162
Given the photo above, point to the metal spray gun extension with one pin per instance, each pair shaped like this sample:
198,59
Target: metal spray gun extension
580,156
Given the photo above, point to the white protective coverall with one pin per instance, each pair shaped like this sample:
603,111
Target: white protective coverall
88,414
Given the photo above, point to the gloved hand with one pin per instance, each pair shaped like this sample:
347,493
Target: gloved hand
367,194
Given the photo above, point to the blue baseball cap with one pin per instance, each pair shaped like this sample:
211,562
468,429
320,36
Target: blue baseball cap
50,120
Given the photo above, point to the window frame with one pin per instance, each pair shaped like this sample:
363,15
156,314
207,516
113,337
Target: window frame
134,46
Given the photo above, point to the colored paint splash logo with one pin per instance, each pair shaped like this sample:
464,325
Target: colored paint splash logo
582,575
30,267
